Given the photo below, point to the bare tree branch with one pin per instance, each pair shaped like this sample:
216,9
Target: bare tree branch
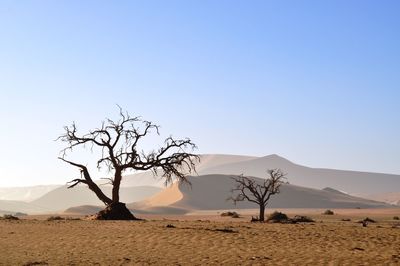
119,141
246,188
86,179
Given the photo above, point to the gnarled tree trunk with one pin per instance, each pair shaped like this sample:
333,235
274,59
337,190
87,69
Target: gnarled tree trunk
262,211
116,185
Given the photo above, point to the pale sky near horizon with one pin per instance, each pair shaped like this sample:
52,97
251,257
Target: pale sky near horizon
317,82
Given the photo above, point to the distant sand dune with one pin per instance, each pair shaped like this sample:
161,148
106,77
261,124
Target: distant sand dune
391,198
63,198
353,182
11,206
360,183
25,193
83,210
167,197
210,192
206,161
144,187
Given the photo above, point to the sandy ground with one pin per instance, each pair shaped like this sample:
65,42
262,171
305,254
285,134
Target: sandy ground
204,239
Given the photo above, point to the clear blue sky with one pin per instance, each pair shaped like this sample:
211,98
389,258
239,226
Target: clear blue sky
317,82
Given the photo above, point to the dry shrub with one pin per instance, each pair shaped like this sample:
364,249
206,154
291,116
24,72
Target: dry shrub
277,217
396,218
254,219
225,230
302,219
328,212
73,219
231,214
367,220
31,263
236,215
55,218
9,217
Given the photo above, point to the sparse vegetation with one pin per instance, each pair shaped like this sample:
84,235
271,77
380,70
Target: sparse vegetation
227,213
254,219
10,217
225,230
277,217
328,212
367,220
59,218
32,263
170,226
338,237
302,219
248,189
396,218
235,215
231,214
73,219
55,218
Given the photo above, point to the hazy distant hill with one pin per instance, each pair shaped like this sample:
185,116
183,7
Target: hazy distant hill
83,210
137,187
5,212
391,198
353,182
25,193
63,198
206,161
139,179
209,192
12,206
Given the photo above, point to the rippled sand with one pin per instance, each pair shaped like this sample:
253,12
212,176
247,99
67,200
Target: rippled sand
227,241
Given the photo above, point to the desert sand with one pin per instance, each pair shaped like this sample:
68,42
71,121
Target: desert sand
200,239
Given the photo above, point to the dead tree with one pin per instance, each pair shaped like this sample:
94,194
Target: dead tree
119,144
247,188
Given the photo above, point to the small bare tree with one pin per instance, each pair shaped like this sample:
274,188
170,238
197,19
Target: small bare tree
119,144
249,189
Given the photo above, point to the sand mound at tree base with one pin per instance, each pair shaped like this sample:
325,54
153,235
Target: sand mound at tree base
115,211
